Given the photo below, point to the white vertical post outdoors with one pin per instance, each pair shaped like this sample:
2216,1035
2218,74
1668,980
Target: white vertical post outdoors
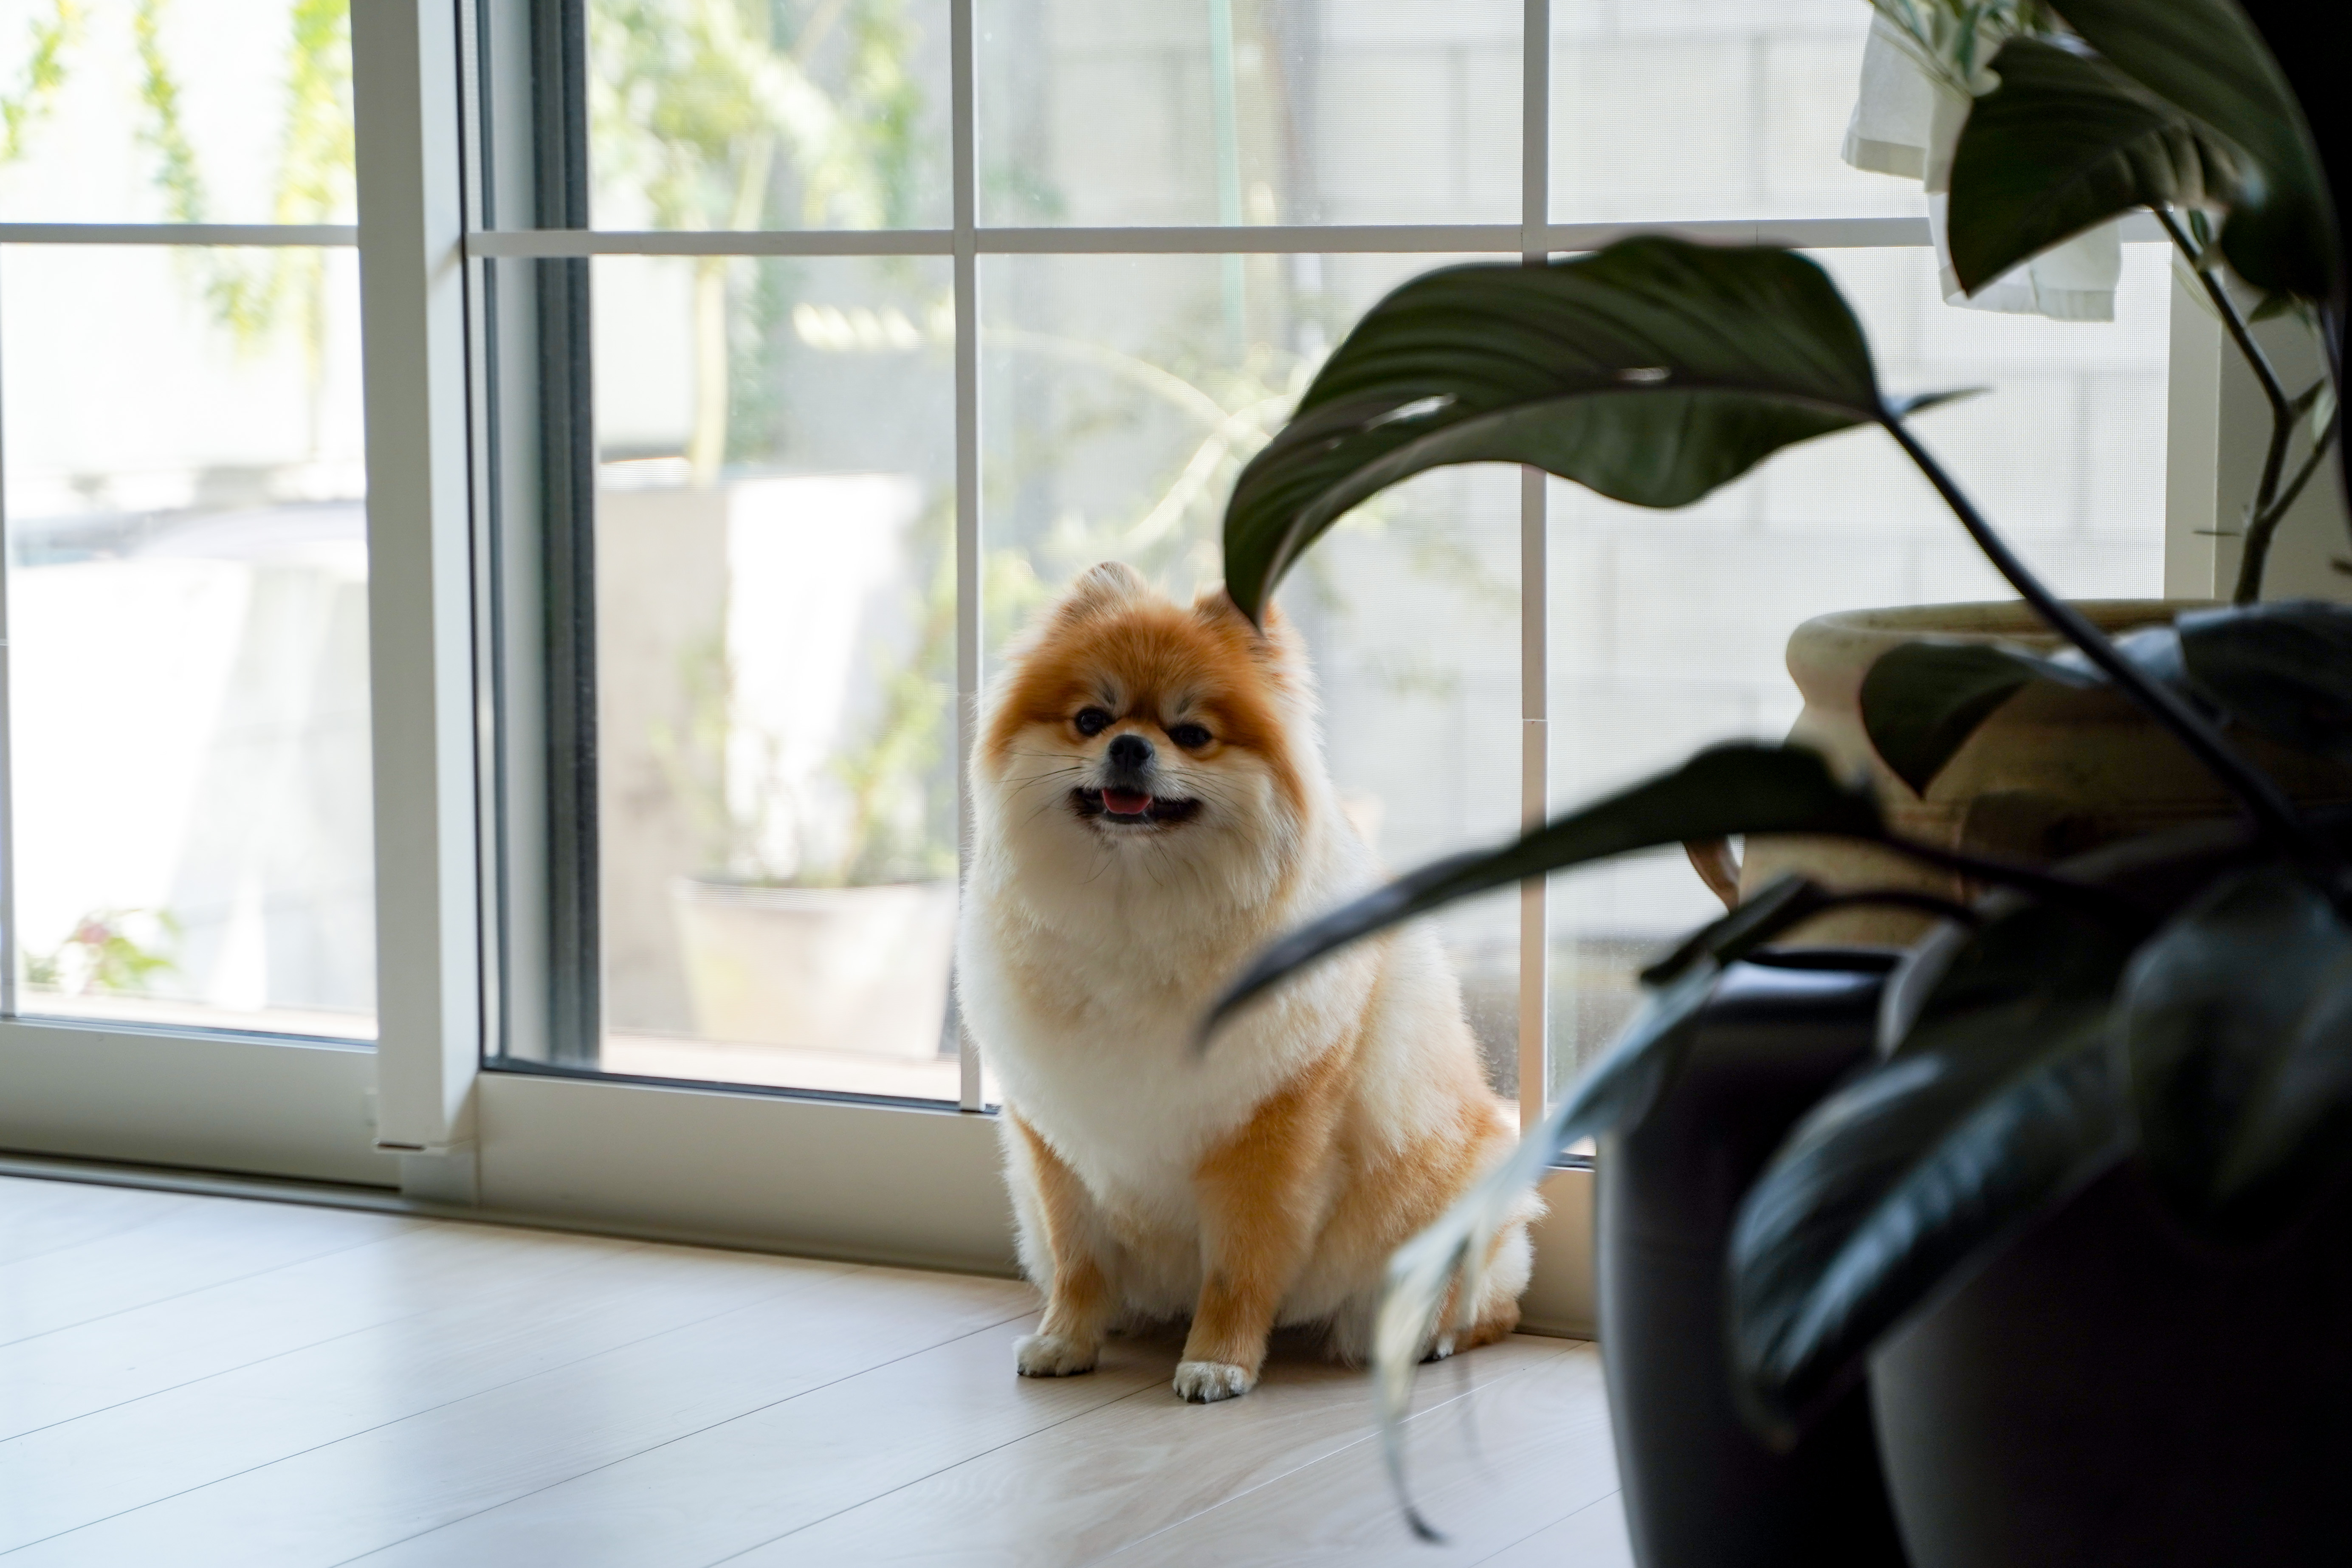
1535,727
2218,423
2192,446
961,111
412,318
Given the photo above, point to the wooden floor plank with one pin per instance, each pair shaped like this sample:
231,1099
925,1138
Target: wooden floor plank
1488,1470
1083,1489
145,1351
209,1381
208,1241
737,1485
81,1471
39,1217
1592,1537
338,1500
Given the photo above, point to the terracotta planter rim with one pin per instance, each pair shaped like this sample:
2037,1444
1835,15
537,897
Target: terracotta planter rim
1828,654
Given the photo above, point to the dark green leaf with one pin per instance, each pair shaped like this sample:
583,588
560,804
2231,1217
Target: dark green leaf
2274,305
2282,669
2236,1034
2063,142
1996,1104
1722,791
2285,668
1653,372
2205,59
1921,702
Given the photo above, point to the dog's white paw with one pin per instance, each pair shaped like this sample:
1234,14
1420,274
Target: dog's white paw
1206,1382
1439,1349
1052,1355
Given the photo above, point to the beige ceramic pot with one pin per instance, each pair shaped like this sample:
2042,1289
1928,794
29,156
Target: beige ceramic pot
2054,771
837,969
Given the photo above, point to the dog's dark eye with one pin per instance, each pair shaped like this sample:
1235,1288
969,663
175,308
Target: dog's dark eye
1092,720
1191,737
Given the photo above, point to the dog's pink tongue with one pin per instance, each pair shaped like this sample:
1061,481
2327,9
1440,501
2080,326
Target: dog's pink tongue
1125,803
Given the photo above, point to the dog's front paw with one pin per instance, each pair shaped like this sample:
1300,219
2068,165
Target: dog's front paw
1052,1355
1206,1382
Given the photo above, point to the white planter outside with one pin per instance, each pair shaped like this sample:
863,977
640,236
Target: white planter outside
842,969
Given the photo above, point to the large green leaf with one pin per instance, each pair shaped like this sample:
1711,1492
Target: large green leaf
1921,702
2236,1036
1996,1104
2284,668
1720,792
2205,59
1653,372
2063,142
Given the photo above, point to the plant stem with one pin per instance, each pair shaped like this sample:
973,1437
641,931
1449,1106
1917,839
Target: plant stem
2259,532
2274,814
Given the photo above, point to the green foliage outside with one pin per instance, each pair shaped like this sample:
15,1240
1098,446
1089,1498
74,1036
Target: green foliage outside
253,293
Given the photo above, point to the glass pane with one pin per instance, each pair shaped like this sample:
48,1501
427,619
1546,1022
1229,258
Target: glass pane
769,113
1709,109
1249,111
175,112
1668,627
775,574
1120,396
187,625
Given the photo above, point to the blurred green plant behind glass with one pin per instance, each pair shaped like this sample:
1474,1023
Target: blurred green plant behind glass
252,294
750,114
166,111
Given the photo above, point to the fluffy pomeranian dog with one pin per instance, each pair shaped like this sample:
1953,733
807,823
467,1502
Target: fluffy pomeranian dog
1151,808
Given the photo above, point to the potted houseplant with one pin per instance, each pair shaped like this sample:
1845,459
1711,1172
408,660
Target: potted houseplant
825,917
2045,139
2133,1066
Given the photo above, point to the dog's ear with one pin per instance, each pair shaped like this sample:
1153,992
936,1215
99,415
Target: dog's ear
1214,607
1273,643
1106,588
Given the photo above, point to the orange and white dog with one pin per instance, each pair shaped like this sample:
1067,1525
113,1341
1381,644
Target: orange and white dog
1151,808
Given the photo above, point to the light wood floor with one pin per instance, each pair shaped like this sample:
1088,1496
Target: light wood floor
194,1380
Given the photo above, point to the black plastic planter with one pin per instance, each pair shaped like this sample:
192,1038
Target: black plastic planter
2109,1391
1700,1491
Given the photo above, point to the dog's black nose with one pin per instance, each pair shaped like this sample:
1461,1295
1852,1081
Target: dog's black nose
1130,750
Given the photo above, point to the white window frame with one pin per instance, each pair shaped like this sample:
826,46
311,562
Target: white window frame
192,1098
897,1183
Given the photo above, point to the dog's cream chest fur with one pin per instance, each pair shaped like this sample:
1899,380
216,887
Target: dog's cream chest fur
1095,1039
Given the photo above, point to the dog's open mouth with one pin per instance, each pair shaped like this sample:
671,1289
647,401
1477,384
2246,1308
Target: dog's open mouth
1131,807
